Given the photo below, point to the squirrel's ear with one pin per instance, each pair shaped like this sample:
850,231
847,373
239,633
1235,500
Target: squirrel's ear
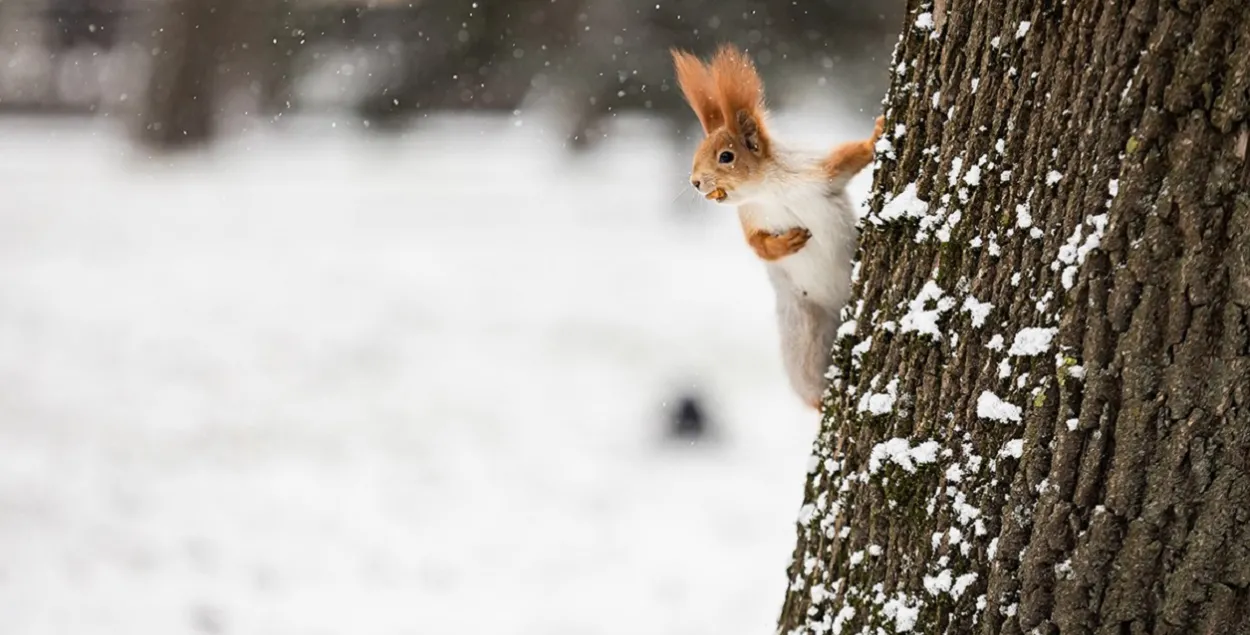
696,84
749,130
741,95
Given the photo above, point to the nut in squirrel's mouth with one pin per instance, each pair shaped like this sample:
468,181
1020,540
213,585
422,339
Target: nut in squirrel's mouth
719,194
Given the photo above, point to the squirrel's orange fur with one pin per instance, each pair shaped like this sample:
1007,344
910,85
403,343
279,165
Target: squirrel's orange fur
771,246
849,158
696,84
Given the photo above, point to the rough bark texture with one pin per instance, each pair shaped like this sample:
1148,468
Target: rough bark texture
1079,166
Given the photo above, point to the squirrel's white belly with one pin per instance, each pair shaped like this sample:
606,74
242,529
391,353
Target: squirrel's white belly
821,270
815,274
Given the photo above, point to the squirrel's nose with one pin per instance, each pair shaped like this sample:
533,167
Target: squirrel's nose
695,183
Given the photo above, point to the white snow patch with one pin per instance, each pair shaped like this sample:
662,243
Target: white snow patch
806,513
977,310
818,593
925,453
996,343
922,319
845,614
924,21
962,583
957,536
900,451
884,146
1032,341
1073,252
879,403
937,584
967,513
847,328
859,349
957,166
990,406
813,463
1013,449
973,177
1053,177
1024,219
905,204
905,613
1023,29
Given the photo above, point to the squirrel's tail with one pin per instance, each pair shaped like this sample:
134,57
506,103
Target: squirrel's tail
807,331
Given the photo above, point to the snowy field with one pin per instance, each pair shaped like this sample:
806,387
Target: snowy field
315,382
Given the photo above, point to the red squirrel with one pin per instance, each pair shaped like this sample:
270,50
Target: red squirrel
792,205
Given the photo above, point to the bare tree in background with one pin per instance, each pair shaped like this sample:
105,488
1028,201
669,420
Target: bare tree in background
597,58
207,50
180,102
1041,420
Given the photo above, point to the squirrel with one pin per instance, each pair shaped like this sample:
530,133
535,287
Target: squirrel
793,206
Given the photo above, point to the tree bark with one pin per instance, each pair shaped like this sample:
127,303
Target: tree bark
1041,420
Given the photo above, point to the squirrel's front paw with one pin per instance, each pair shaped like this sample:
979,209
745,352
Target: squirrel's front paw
793,240
771,246
878,129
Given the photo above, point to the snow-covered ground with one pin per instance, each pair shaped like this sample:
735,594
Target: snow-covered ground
315,382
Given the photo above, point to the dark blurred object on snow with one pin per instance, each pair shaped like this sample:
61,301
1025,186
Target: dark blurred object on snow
689,421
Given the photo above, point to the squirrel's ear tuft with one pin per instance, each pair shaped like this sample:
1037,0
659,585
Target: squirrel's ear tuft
740,92
751,132
696,84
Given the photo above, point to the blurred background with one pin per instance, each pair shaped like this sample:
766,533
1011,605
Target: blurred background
329,316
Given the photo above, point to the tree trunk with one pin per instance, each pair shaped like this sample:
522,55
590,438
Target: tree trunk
1041,420
180,108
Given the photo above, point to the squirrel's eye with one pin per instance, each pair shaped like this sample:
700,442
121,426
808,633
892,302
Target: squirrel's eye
726,157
